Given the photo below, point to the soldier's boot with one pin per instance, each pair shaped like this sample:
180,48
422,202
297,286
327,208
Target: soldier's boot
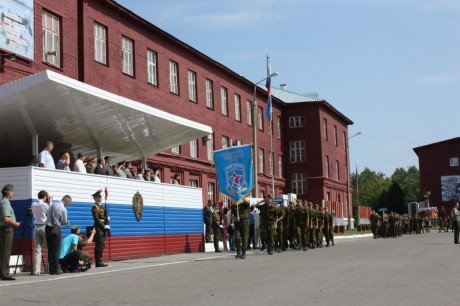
263,246
305,248
238,253
243,254
270,250
332,240
279,249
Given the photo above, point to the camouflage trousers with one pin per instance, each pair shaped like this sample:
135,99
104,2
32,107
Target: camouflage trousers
319,235
279,236
241,235
268,234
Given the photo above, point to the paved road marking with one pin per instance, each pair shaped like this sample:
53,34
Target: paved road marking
73,275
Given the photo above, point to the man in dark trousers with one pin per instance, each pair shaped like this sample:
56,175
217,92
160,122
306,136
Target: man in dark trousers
207,216
101,226
7,225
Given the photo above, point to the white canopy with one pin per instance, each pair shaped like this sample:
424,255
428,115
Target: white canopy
65,110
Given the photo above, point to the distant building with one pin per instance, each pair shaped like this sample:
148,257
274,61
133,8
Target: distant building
440,171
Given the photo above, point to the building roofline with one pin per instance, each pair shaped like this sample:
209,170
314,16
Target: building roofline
323,103
417,149
186,46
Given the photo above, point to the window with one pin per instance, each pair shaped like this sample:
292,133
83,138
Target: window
297,151
278,123
325,129
175,150
152,72
210,146
336,136
224,101
271,163
194,148
328,196
193,183
345,141
328,169
237,99
173,78
280,166
51,30
225,201
127,56
211,192
299,183
338,197
260,118
337,170
225,142
249,112
192,86
237,143
100,43
296,122
261,160
454,161
209,94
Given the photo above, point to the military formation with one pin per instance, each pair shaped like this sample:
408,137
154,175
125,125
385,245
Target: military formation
393,225
300,226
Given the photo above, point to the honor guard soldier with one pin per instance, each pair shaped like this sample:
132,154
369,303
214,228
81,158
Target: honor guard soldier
268,214
101,226
240,215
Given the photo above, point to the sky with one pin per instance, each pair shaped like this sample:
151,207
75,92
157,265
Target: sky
391,66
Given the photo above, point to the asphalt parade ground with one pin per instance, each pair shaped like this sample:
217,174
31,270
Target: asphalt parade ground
410,270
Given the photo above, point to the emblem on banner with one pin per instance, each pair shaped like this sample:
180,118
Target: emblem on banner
138,206
236,178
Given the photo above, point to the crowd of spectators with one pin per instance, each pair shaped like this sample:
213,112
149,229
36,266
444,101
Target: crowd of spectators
104,166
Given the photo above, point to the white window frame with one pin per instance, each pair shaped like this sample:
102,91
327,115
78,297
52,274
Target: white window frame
260,117
193,183
224,101
280,166
173,77
210,192
152,71
51,35
127,51
299,183
209,94
297,152
194,148
278,123
296,122
261,160
210,146
249,112
192,86
100,43
225,142
453,161
237,99
175,150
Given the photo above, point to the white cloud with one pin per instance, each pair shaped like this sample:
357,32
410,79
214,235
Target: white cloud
439,79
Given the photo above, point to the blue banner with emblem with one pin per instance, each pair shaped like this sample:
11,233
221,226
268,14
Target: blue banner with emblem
234,171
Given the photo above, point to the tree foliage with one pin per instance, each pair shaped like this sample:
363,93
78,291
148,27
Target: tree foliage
376,190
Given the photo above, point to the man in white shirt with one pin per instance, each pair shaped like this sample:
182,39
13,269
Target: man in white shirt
40,212
156,175
45,156
79,165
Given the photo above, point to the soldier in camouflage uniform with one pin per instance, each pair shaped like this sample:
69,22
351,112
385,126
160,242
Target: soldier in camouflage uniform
286,221
268,213
297,214
313,225
374,218
279,216
319,228
216,225
292,226
100,225
240,215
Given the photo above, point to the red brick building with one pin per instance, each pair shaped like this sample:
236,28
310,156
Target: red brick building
440,171
103,44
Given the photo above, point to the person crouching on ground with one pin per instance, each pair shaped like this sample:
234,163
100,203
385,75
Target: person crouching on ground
72,258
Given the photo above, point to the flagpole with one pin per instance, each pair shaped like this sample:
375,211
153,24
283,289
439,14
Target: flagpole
272,157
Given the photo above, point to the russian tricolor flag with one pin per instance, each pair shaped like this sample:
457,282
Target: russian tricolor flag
269,110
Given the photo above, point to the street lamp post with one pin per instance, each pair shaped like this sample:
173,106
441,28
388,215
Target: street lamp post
357,184
348,179
255,193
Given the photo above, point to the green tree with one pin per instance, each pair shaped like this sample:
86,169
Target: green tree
409,180
393,199
368,186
